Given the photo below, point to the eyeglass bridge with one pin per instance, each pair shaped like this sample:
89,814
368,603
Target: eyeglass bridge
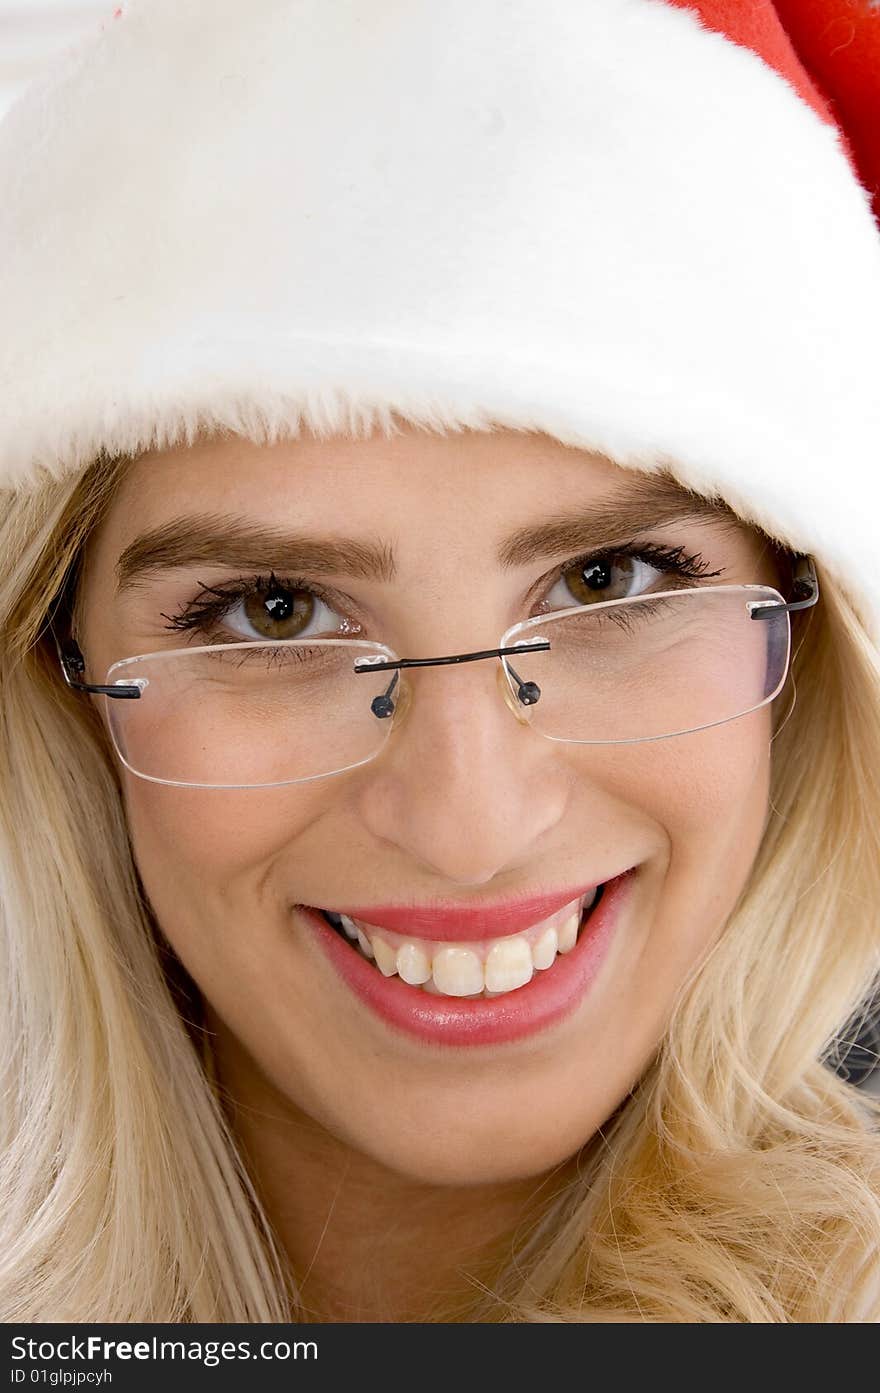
528,692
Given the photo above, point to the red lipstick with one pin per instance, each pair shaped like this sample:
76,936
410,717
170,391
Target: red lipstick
451,922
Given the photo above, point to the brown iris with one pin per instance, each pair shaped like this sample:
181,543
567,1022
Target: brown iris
588,582
279,612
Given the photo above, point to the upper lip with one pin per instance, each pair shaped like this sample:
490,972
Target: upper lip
450,921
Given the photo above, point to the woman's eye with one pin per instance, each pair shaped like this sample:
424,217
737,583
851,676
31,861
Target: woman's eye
592,580
282,612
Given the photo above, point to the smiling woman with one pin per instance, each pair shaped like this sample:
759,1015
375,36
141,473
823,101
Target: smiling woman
439,841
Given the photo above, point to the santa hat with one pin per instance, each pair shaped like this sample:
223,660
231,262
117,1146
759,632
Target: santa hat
641,226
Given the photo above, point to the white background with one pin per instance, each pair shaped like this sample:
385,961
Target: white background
32,32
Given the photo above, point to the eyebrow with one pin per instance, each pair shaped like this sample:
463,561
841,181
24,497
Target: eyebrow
649,501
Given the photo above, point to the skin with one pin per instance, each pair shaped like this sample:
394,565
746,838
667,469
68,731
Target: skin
387,1165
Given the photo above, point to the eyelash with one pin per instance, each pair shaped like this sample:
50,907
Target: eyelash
201,615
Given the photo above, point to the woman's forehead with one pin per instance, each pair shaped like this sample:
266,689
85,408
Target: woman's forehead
500,472
472,459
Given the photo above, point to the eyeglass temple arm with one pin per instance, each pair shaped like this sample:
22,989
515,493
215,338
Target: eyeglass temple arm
72,661
804,586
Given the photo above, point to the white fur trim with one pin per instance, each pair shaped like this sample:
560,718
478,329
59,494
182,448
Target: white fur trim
599,220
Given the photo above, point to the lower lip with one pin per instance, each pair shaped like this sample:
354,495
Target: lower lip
442,1020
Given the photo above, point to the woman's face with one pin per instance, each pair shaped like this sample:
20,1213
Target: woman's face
464,805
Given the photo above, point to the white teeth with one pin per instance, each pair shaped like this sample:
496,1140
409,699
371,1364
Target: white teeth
413,964
386,957
509,965
568,933
457,972
545,949
489,967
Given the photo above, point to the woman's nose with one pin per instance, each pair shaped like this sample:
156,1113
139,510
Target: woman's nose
462,785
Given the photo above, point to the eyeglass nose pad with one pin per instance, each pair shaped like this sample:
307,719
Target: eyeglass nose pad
404,699
521,712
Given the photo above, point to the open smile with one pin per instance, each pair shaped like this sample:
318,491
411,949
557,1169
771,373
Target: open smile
486,967
453,993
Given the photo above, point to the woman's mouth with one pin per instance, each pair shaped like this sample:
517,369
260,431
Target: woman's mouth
486,968
479,992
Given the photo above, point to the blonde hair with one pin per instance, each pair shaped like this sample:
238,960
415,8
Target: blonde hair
740,1180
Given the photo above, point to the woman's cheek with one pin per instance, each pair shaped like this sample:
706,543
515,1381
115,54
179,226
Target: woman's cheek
216,835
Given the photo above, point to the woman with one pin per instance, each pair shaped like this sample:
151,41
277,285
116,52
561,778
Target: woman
506,989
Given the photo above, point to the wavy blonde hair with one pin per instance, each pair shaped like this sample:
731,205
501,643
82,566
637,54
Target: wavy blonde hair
739,1181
